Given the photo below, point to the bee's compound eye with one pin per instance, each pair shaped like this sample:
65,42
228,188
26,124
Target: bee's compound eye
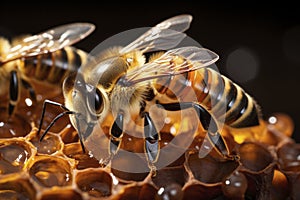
98,101
95,101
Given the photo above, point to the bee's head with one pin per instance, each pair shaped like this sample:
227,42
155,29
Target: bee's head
88,102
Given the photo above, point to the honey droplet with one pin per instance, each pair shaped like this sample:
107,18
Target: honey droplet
97,183
49,145
74,150
13,156
282,122
170,192
51,171
235,185
16,188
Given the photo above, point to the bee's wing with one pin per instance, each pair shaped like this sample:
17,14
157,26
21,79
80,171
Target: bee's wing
163,36
50,40
193,58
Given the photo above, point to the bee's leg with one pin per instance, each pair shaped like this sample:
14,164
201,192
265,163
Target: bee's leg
152,138
208,123
13,91
79,133
116,133
29,87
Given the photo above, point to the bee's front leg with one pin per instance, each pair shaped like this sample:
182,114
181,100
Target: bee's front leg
116,134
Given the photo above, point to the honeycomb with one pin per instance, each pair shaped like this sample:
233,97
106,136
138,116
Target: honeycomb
57,168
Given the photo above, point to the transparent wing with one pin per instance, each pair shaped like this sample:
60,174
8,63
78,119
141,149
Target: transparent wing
173,62
163,36
50,40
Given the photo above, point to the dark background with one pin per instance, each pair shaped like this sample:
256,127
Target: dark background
269,34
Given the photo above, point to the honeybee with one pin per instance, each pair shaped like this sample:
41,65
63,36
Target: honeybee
47,56
123,83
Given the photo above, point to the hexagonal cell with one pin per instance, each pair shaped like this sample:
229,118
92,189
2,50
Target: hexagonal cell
50,144
69,135
201,191
96,183
14,126
209,169
138,191
288,157
254,156
84,160
170,175
61,194
16,187
129,166
14,153
258,167
50,171
289,165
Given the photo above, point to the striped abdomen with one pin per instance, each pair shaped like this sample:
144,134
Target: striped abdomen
216,93
53,67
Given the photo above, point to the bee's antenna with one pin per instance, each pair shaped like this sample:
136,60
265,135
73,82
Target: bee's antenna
43,113
66,112
53,122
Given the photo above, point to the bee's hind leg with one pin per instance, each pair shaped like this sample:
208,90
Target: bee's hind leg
208,123
13,91
29,87
152,138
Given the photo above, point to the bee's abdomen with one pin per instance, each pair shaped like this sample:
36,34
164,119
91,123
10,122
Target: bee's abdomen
241,109
223,98
54,67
